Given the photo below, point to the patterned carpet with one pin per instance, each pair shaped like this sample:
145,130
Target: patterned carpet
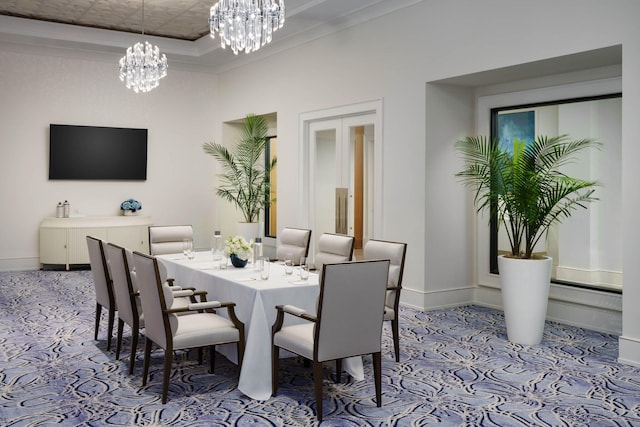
456,369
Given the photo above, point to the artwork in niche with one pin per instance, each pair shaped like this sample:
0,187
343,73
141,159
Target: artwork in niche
519,125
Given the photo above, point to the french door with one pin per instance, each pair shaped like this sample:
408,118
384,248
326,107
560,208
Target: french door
342,176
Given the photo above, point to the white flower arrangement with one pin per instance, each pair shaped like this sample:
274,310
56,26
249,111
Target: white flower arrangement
131,205
239,246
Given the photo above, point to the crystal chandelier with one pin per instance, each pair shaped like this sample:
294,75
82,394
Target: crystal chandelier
142,66
246,24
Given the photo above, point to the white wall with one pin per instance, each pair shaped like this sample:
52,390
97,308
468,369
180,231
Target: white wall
38,90
391,59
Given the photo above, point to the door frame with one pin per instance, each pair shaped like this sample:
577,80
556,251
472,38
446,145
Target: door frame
307,159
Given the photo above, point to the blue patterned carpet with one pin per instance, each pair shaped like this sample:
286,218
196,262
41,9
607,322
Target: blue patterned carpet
456,369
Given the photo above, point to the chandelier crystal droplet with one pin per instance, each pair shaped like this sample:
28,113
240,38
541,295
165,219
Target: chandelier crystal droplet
246,24
142,66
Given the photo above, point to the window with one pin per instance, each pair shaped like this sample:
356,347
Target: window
586,248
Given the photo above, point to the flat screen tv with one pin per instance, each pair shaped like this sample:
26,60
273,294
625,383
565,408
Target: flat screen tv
90,152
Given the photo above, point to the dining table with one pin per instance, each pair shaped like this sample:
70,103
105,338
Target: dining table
255,300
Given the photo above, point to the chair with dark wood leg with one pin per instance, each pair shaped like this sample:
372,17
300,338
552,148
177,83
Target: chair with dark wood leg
103,285
395,252
346,324
171,332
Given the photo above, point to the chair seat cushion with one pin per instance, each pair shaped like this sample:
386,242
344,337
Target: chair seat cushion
297,339
203,329
389,313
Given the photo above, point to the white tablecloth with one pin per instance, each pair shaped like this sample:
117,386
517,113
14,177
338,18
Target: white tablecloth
255,306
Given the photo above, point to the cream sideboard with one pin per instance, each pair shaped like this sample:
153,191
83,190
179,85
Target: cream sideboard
63,240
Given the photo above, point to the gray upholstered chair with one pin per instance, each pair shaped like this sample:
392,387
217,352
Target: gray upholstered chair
172,332
293,244
127,298
346,324
168,239
395,252
103,285
333,248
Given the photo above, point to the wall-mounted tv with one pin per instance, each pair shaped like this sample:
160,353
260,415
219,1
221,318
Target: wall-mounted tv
90,152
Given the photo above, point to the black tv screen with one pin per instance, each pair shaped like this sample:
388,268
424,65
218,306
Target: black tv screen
89,152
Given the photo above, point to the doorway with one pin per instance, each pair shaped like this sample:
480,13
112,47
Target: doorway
343,184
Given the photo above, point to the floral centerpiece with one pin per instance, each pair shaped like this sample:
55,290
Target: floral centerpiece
238,249
130,206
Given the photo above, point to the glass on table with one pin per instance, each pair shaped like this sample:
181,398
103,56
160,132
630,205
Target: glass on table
304,269
288,266
264,268
187,248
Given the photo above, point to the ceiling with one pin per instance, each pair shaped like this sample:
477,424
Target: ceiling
180,28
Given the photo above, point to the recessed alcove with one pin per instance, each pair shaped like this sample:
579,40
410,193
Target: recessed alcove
455,107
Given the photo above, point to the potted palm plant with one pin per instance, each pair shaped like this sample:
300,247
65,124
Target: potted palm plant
523,188
245,178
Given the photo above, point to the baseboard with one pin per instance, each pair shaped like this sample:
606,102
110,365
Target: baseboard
629,351
598,311
430,300
19,264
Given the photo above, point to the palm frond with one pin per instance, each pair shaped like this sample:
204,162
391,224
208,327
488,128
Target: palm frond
245,177
523,186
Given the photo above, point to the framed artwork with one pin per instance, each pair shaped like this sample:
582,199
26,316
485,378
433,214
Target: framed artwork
519,125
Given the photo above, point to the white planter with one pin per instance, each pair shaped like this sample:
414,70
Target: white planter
525,294
249,230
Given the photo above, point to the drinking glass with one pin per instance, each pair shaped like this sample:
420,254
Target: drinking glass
304,269
288,267
223,262
187,248
264,269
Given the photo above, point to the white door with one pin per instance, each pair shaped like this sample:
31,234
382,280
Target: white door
342,176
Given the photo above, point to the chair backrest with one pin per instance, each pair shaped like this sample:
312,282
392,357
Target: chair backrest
395,252
157,324
293,243
128,309
350,309
333,248
167,239
101,274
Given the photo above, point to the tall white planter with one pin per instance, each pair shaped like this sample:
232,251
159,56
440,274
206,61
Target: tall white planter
525,294
249,230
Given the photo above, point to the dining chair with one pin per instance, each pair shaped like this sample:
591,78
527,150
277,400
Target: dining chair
103,285
395,252
127,297
333,248
172,332
345,325
293,244
168,239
